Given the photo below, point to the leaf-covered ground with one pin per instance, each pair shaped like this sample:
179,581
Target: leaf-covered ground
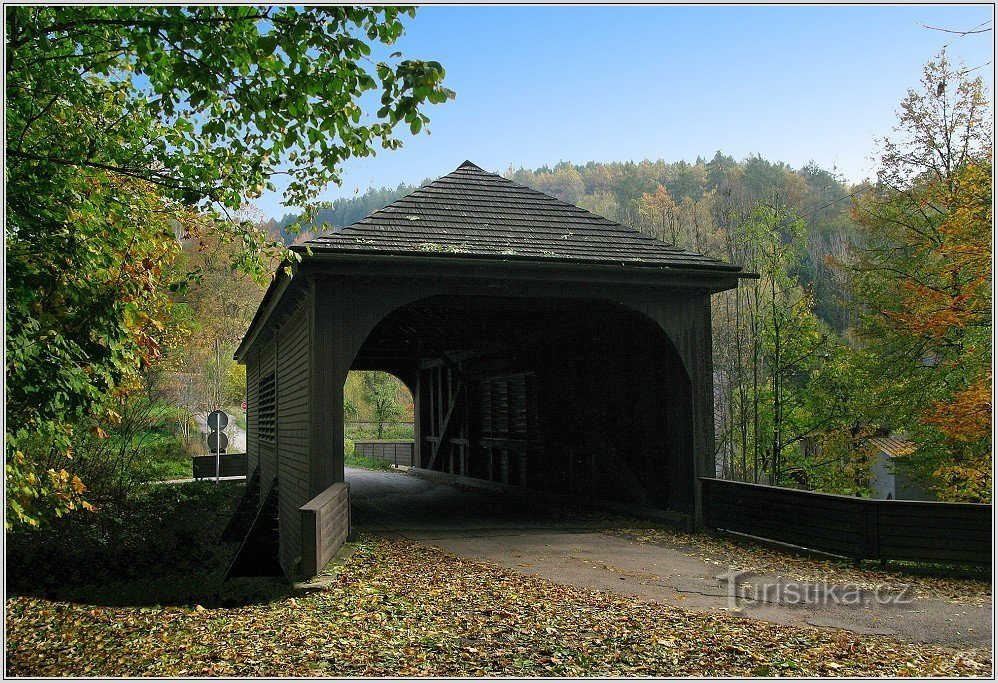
397,608
956,584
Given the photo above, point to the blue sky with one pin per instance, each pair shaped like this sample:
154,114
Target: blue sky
538,85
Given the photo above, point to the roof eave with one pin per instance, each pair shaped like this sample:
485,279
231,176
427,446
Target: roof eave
314,252
710,280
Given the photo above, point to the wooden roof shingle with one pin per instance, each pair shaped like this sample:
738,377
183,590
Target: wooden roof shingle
473,213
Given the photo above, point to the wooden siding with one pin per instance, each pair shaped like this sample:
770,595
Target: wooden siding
252,411
266,363
860,528
325,523
292,430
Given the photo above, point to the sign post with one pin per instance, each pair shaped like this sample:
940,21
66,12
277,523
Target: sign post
217,441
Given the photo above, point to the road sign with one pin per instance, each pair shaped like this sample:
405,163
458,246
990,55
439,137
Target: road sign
217,420
217,441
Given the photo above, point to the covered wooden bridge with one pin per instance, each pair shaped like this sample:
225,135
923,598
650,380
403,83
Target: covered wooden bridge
544,346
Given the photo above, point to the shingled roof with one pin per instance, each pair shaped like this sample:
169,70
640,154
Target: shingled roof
473,213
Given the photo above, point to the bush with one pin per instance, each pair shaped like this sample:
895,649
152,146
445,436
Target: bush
166,534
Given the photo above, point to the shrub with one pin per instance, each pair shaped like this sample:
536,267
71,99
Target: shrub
164,530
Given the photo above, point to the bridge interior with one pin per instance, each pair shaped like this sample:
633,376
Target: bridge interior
577,396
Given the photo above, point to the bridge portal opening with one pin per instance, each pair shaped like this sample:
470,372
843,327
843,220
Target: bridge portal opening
579,397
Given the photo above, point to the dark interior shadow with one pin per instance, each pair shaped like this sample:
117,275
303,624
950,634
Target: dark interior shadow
160,548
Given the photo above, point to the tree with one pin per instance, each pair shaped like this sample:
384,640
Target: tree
381,392
792,395
600,203
563,182
128,127
659,215
207,320
923,274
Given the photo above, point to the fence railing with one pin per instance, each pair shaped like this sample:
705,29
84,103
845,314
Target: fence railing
861,528
398,452
230,465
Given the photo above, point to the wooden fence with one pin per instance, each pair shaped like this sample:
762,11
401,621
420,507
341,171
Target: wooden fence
859,528
230,465
396,452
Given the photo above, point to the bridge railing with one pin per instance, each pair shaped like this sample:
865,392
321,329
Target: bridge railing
230,465
396,451
861,528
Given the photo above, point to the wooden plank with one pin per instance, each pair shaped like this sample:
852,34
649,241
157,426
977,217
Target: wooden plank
446,424
230,465
904,512
856,527
745,493
325,523
760,517
439,393
790,507
765,526
935,543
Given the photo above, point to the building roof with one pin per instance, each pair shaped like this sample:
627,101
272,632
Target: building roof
473,213
892,445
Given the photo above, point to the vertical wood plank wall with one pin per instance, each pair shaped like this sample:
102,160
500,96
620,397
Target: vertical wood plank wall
267,363
292,430
252,412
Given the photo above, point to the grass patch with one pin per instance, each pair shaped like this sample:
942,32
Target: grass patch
164,457
367,463
238,416
391,432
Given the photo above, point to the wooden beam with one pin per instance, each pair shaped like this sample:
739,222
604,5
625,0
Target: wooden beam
444,427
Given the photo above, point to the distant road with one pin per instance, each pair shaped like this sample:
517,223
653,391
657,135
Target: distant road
235,433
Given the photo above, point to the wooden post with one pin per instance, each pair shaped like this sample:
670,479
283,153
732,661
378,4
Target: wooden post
417,421
685,319
325,444
871,529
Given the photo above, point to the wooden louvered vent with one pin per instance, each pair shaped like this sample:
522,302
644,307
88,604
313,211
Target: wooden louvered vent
267,396
509,425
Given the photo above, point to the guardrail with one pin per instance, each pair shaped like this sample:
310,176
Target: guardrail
230,465
860,528
396,451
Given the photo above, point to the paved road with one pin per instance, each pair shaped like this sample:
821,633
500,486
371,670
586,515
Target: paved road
523,535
